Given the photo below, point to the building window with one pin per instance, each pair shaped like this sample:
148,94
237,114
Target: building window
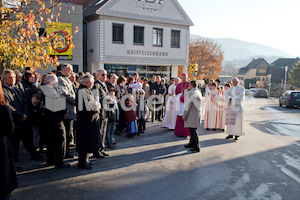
157,37
138,35
118,33
175,39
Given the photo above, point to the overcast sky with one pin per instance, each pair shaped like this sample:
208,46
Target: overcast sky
274,23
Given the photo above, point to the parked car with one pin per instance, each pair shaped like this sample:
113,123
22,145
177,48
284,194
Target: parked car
252,91
247,92
290,99
261,92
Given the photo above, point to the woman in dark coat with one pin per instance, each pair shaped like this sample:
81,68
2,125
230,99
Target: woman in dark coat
88,122
8,177
29,87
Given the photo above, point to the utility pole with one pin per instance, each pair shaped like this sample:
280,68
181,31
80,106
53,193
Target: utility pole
285,76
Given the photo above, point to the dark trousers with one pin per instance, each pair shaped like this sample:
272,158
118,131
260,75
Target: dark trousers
83,157
122,120
26,135
69,123
56,143
158,113
194,141
141,125
103,128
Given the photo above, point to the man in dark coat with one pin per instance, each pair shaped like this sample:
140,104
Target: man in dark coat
101,88
161,90
65,88
113,78
88,122
15,98
8,177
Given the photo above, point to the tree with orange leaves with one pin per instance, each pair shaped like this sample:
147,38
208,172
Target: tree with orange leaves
208,55
22,41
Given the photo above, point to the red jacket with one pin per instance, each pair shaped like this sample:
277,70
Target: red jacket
131,114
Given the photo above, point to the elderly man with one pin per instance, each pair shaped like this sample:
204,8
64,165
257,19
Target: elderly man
88,122
55,129
192,115
65,88
102,91
235,125
15,98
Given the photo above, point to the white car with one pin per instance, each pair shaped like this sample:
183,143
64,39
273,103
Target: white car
252,91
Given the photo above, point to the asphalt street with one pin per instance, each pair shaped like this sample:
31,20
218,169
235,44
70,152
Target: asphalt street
264,164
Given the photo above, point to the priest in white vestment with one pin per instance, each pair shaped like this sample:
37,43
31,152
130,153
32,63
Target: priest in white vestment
235,124
171,108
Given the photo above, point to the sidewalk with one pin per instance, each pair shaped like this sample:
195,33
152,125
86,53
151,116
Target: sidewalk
26,165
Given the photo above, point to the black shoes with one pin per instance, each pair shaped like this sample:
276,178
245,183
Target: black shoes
229,136
130,135
97,155
111,146
195,150
104,153
85,165
62,165
236,137
188,146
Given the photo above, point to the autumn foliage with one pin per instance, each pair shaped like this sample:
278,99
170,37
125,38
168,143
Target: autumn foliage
208,55
22,41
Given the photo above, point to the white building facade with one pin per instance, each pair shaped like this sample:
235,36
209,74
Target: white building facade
150,37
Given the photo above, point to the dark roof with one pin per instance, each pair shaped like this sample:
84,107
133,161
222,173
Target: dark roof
91,6
253,64
282,62
277,68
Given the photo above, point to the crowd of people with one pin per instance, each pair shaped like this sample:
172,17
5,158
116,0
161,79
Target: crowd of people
99,106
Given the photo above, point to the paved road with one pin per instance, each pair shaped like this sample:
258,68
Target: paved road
265,164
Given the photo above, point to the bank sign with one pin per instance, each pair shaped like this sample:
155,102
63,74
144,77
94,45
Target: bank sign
150,4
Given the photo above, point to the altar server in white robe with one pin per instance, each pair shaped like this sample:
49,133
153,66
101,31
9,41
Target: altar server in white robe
235,124
211,114
171,108
222,108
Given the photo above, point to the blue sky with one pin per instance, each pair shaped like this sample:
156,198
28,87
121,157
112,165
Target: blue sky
275,23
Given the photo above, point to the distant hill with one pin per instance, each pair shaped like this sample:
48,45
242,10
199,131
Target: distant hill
236,50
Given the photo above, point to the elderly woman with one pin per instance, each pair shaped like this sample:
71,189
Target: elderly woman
88,122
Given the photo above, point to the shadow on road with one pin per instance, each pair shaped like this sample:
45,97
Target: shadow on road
264,175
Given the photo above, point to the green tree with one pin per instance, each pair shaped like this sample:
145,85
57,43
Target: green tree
294,75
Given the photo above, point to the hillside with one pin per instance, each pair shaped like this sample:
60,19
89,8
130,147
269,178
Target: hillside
240,50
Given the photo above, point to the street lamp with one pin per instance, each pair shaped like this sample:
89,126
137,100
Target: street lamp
285,76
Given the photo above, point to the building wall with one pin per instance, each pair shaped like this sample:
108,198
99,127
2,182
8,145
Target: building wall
167,15
93,44
250,74
113,51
